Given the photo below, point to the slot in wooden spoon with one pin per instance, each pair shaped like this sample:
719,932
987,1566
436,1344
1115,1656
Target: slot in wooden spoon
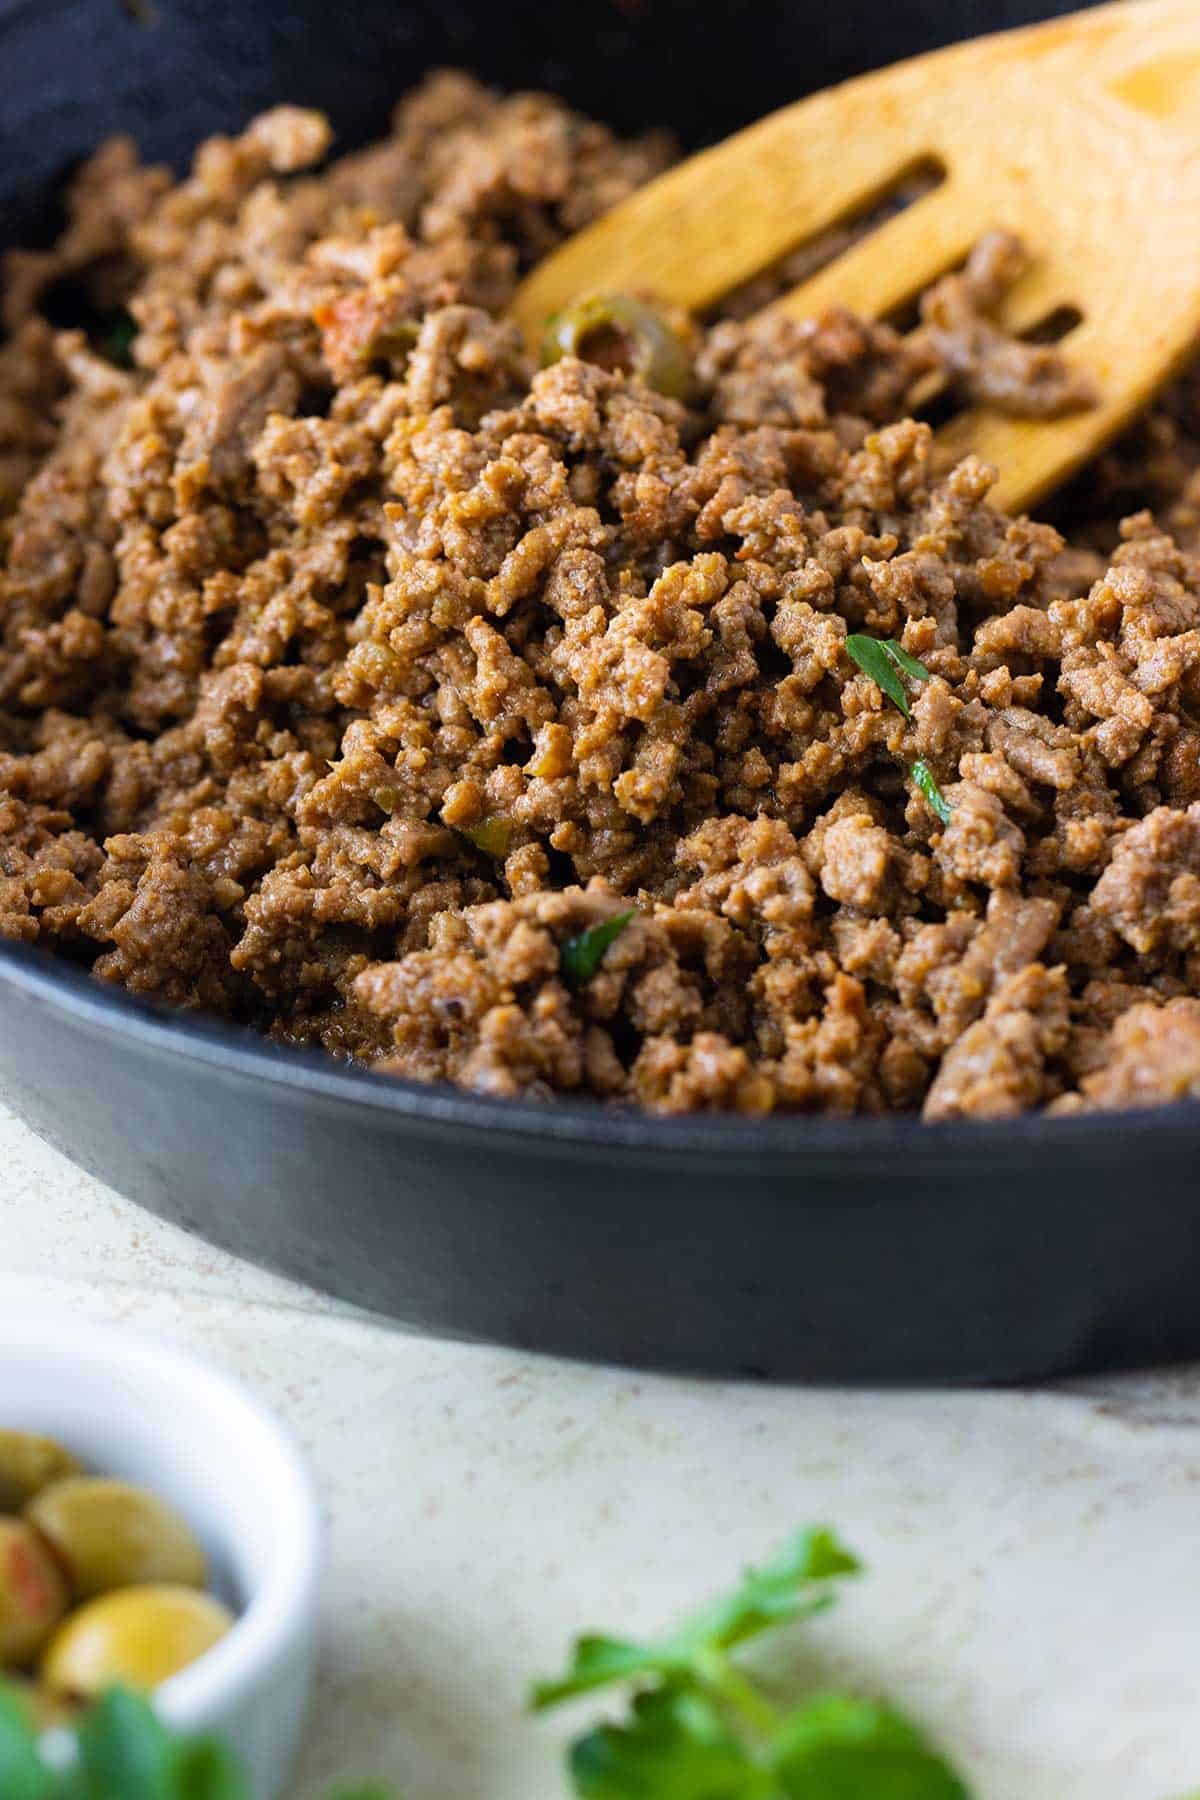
1082,136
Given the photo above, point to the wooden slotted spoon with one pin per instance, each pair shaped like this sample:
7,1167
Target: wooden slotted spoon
1082,136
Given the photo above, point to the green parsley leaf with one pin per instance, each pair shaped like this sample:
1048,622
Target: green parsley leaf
789,1586
923,779
834,1748
881,658
116,340
884,660
792,1585
22,1774
903,659
204,1769
675,1746
872,658
581,956
125,1750
126,1753
598,1662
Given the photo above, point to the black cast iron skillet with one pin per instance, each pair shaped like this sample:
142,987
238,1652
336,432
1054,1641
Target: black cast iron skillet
878,1250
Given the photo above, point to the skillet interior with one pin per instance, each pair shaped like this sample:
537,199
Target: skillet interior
845,1250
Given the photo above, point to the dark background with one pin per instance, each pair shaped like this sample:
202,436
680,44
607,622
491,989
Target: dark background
171,71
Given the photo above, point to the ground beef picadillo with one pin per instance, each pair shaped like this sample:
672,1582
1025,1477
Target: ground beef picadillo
350,667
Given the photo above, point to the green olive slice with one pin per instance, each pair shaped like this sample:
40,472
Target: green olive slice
618,332
491,835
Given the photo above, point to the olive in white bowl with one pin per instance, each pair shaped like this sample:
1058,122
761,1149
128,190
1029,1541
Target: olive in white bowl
102,1582
236,1588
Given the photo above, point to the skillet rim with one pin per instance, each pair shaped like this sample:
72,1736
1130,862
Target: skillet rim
246,1056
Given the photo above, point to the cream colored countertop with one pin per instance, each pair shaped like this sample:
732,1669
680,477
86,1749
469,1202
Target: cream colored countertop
1032,1592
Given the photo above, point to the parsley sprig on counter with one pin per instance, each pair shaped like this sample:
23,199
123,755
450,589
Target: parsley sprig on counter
884,660
796,1583
126,1753
698,1725
700,1728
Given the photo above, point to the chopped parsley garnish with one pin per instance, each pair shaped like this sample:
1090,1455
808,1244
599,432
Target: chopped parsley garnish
581,956
884,660
116,338
923,779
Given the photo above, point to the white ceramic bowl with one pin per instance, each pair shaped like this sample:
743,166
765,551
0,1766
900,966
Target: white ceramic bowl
130,1406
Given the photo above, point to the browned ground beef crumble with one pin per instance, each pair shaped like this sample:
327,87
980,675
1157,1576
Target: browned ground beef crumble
308,599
